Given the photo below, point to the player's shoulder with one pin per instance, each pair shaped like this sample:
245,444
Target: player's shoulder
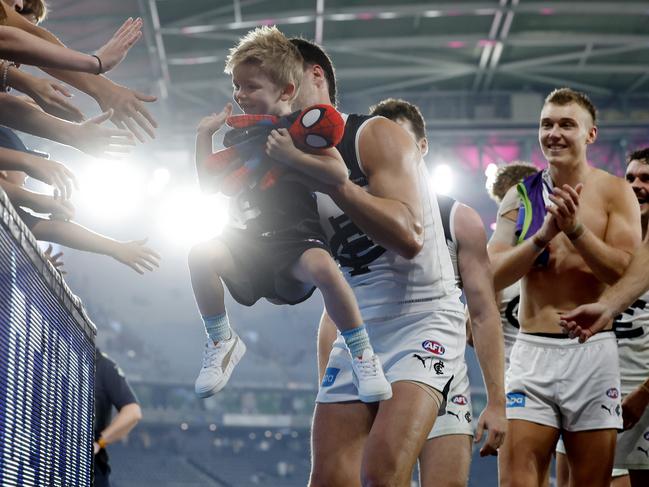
612,187
510,203
468,224
605,180
381,130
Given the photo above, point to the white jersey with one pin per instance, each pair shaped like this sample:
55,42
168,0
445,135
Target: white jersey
386,284
509,300
632,333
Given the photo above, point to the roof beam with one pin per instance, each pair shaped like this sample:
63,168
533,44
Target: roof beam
215,13
319,20
344,14
368,13
591,69
553,81
488,48
579,8
573,56
399,85
639,82
584,57
424,60
498,48
164,80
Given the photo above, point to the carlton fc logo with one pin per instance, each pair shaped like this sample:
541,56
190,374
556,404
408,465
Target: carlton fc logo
434,347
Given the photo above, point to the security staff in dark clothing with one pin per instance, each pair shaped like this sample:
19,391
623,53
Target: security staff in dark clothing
111,389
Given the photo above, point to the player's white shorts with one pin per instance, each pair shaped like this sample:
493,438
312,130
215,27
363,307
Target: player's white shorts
564,384
510,340
632,452
425,347
457,420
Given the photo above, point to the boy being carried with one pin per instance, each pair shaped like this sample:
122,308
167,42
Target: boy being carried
276,249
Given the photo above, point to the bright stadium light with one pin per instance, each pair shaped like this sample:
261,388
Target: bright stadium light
442,179
187,216
110,189
490,172
159,181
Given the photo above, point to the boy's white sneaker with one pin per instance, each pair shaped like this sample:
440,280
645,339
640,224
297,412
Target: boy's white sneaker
372,384
218,362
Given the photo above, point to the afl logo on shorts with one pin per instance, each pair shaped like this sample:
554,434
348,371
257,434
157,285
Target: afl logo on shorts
434,347
330,376
613,393
459,400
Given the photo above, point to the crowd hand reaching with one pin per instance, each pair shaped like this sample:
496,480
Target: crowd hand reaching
492,419
128,108
213,123
63,209
51,97
55,206
586,320
114,51
100,141
53,173
566,206
136,255
55,259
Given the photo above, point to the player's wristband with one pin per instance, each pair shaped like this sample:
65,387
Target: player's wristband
102,443
576,232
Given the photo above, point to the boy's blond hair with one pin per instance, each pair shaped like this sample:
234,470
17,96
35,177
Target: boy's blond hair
272,52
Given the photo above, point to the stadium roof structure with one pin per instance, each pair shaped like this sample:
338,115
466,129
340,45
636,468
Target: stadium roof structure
475,68
383,47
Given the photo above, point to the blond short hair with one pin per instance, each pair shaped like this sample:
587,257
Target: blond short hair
508,176
566,96
272,52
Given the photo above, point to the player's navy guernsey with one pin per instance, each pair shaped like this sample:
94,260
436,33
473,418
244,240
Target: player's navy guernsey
288,208
632,332
385,283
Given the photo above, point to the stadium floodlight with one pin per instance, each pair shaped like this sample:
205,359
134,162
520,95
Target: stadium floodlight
442,179
188,216
159,181
490,172
110,189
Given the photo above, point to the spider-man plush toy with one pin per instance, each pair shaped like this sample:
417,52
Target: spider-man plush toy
244,164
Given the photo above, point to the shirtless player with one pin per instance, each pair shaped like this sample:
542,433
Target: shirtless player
565,257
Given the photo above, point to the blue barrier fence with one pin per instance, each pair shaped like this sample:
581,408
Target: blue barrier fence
46,368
